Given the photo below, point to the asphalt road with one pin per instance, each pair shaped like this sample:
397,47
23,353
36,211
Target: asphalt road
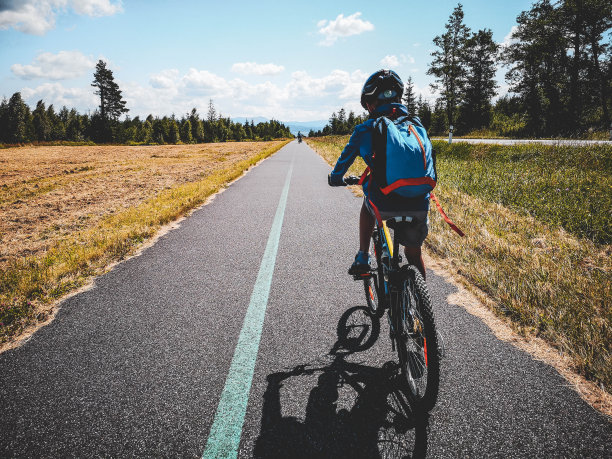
136,367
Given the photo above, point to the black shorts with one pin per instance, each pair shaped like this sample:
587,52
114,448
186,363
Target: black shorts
409,235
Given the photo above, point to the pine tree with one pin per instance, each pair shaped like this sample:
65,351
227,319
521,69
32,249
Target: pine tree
538,68
17,119
211,116
424,112
186,135
598,21
439,122
145,134
74,127
58,130
238,132
481,59
197,132
448,64
4,124
342,127
409,98
42,128
112,105
157,134
174,135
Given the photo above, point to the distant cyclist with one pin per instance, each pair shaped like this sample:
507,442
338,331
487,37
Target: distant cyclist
299,137
381,96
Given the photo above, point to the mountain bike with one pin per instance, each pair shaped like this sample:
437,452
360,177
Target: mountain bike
401,291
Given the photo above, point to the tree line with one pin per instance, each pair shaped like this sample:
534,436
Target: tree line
559,71
19,124
340,124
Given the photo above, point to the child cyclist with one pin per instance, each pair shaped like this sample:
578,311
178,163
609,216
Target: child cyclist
381,96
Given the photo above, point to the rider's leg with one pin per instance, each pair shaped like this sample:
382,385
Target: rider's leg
366,226
361,265
414,256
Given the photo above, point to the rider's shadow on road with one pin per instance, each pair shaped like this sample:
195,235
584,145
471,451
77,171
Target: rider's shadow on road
379,424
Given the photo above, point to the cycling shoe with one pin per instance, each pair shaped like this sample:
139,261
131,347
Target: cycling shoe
361,265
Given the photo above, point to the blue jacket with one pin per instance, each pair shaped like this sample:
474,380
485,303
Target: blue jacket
360,144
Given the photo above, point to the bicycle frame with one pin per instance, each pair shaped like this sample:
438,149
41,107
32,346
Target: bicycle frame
390,263
389,279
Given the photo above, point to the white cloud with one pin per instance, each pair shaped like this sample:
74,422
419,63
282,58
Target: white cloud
426,91
342,27
389,61
252,68
303,97
82,99
339,84
205,82
37,17
166,79
29,18
393,61
96,7
508,40
60,66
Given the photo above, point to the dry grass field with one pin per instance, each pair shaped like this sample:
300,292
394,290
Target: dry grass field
49,192
67,212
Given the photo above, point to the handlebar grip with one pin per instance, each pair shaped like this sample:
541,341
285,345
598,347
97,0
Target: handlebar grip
351,180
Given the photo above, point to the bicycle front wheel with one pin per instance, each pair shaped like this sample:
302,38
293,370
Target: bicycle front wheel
417,341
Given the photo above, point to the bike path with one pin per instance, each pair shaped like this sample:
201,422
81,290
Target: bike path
136,366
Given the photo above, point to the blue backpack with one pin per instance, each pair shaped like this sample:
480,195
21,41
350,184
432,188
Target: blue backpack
403,160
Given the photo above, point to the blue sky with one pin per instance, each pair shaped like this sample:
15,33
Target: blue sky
284,60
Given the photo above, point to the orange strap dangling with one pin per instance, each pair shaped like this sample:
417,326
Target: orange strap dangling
446,219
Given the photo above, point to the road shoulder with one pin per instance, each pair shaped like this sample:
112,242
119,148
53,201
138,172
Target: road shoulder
478,304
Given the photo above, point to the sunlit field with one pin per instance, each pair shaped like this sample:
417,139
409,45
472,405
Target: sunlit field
68,212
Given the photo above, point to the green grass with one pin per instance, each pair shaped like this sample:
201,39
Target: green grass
537,223
563,186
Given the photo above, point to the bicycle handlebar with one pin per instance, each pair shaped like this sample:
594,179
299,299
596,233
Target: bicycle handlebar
351,180
348,180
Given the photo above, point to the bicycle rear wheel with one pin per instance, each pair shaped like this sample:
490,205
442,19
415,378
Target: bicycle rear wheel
417,341
372,285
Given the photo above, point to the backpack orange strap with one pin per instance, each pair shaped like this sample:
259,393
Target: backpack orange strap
364,176
446,219
412,181
410,127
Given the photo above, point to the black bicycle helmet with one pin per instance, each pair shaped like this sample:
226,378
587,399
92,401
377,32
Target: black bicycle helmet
383,85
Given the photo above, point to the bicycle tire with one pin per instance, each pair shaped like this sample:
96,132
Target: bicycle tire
372,284
417,341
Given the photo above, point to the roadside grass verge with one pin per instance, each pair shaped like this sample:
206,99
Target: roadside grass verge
530,246
566,186
28,285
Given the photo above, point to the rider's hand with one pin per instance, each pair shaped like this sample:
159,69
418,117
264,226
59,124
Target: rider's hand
334,180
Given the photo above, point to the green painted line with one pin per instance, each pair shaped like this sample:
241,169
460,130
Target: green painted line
224,438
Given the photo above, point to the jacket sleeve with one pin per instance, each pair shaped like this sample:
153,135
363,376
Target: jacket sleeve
347,157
